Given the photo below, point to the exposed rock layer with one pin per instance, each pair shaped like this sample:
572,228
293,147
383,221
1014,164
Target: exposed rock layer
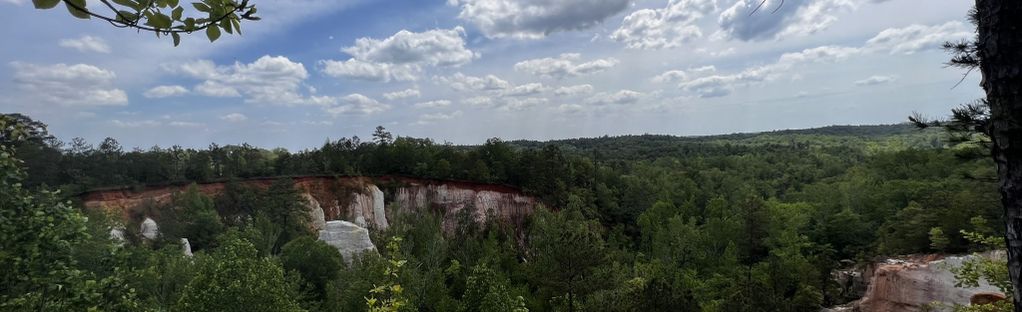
350,239
365,201
917,283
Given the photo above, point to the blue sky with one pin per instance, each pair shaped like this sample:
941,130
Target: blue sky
466,70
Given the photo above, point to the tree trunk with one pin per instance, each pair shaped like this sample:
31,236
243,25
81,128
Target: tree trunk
999,47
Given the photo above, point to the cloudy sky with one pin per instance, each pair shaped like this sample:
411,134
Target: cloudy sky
466,70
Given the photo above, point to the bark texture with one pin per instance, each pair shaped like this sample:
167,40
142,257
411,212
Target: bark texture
999,46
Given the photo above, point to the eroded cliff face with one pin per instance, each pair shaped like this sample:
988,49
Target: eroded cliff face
917,283
367,202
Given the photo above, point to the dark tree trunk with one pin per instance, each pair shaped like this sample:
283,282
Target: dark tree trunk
999,46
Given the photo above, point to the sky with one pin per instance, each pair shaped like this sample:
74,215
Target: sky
462,71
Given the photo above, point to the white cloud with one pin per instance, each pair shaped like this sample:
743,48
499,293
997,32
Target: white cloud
679,75
234,117
916,38
574,90
718,85
528,89
426,119
216,89
433,104
534,19
776,19
369,71
69,85
135,123
437,47
462,82
269,80
620,97
875,80
184,124
662,28
401,56
407,93
86,44
165,91
357,104
563,66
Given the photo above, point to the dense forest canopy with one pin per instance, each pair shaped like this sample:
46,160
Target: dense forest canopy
744,222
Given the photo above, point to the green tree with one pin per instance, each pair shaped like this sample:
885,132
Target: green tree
316,262
233,277
38,238
565,248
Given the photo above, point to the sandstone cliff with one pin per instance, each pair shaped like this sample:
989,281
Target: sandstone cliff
916,283
365,201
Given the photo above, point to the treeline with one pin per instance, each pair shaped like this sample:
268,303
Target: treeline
640,223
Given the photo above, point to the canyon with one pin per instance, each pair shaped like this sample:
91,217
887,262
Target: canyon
343,209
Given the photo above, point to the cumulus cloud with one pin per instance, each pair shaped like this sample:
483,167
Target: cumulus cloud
666,27
216,89
357,104
793,18
620,97
462,82
574,90
369,71
437,47
135,123
79,85
234,117
528,89
875,80
718,85
565,65
426,119
679,75
165,91
433,104
269,80
534,19
401,56
916,38
396,95
86,44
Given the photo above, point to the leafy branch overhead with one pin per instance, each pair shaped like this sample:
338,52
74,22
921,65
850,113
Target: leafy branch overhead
165,17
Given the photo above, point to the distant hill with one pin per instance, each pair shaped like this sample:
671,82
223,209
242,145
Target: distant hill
869,138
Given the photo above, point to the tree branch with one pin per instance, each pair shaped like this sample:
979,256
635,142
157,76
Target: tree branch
134,24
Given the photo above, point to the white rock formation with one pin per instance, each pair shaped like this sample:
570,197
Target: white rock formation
149,229
317,219
186,247
912,285
117,234
367,206
349,238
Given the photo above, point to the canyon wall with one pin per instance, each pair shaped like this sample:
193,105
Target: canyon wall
916,283
371,202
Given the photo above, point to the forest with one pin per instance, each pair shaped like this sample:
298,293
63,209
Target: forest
743,222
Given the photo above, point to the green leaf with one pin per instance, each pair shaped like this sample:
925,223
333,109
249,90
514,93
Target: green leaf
162,21
76,12
226,26
176,14
127,14
177,38
45,4
237,25
213,33
202,7
128,3
173,3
